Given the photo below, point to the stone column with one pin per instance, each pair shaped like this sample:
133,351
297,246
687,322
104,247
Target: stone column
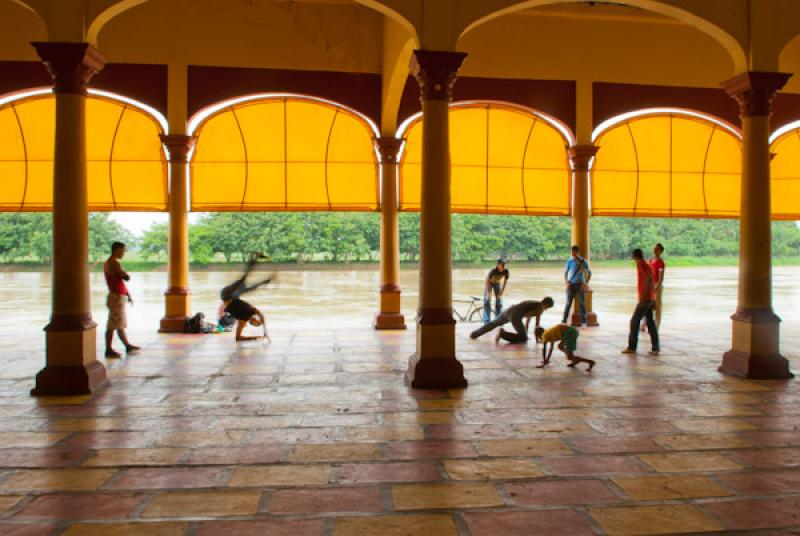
389,316
71,345
755,351
177,299
580,156
434,365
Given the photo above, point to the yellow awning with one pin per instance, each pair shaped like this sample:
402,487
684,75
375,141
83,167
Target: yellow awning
504,160
667,165
785,172
284,153
125,162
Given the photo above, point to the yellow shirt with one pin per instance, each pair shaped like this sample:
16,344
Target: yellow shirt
556,333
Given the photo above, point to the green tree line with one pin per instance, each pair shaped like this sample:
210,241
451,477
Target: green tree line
347,237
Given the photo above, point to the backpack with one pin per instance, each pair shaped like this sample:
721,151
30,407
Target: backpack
195,324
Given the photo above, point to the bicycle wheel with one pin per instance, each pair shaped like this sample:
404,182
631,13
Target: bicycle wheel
476,315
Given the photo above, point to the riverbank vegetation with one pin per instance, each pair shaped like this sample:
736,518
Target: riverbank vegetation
324,239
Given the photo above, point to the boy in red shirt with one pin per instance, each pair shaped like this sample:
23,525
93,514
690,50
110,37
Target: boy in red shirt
645,284
658,267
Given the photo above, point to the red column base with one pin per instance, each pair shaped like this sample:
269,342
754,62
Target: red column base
390,321
591,319
70,381
435,373
762,367
172,324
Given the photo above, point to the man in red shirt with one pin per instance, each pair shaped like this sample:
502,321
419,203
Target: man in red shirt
658,267
645,284
118,296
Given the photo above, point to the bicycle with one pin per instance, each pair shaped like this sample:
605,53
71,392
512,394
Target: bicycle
474,310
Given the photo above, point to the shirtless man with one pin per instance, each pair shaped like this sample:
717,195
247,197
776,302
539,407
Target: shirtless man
118,296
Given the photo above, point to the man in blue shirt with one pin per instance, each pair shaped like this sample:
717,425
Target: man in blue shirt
576,279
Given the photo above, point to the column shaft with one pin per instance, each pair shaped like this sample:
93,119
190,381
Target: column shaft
755,351
434,365
580,157
177,297
389,315
71,365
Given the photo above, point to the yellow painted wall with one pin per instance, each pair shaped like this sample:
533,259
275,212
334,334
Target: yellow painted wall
245,33
18,27
563,43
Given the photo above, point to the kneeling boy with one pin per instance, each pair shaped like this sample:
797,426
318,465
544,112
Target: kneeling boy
567,337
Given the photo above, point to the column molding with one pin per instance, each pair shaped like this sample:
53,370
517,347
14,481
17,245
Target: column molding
434,365
71,366
389,315
178,147
755,346
580,156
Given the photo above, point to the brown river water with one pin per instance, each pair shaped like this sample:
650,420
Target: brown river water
348,298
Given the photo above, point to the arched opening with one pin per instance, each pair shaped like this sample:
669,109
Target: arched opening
785,172
666,163
126,165
505,159
283,153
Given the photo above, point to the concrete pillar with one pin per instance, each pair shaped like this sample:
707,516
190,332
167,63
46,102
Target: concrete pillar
434,365
177,299
389,316
580,156
71,364
755,351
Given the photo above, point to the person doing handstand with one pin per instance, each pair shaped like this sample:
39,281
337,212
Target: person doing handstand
516,314
567,338
241,310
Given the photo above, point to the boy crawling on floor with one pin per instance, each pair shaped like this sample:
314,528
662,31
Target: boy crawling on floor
567,338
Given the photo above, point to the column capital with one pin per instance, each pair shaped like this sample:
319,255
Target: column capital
178,146
581,155
388,149
754,91
435,71
71,65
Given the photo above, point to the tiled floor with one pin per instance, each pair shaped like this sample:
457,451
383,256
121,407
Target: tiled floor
316,434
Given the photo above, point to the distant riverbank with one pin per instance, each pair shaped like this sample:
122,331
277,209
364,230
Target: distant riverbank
161,266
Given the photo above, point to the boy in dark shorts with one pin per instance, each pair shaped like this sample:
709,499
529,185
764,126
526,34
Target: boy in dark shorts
567,338
241,310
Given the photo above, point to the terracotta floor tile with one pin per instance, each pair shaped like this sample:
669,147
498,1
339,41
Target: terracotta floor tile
346,499
133,457
680,462
165,478
652,488
306,527
10,529
663,519
127,529
211,504
280,475
704,441
364,473
45,457
762,483
56,479
561,492
419,418
713,425
409,525
758,514
554,428
335,452
254,454
429,496
81,507
491,469
528,523
524,447
9,501
614,445
419,450
592,465
763,458
30,439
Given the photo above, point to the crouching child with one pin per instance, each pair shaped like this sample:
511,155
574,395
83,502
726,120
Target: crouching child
567,338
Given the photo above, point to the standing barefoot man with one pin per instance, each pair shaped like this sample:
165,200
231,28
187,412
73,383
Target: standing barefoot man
118,295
